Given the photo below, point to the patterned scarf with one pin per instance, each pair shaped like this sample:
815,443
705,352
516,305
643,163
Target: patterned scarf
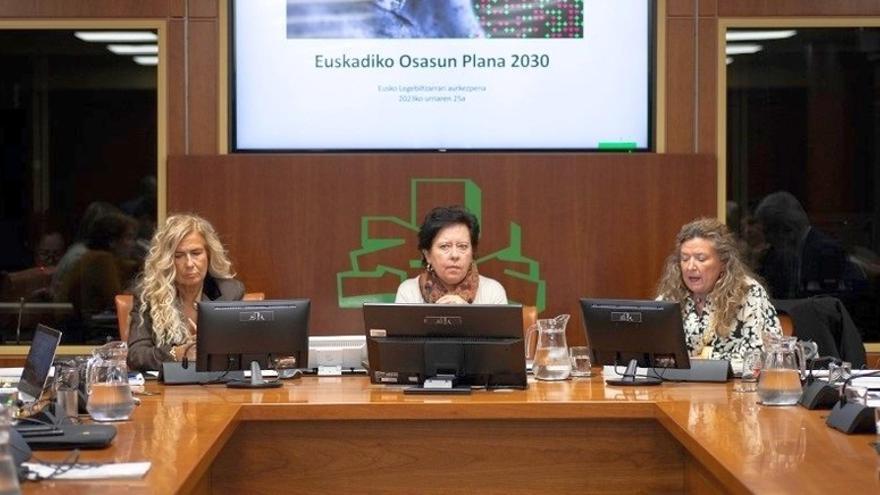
433,289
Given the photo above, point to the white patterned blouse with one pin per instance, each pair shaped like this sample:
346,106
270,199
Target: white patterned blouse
755,316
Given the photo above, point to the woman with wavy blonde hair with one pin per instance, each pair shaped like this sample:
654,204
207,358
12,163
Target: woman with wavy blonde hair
186,263
724,307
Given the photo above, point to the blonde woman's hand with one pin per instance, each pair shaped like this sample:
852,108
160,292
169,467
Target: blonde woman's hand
451,299
191,350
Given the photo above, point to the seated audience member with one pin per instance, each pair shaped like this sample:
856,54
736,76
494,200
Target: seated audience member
94,211
49,249
102,271
799,260
186,264
724,308
448,240
33,283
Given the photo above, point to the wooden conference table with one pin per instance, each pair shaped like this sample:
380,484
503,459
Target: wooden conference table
344,435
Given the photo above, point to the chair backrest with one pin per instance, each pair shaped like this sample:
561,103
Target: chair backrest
825,321
254,296
787,324
124,303
530,316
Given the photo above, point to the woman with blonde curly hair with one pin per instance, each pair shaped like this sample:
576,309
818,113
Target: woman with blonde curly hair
186,264
725,309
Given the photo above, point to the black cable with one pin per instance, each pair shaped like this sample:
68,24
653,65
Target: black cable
821,359
68,463
220,379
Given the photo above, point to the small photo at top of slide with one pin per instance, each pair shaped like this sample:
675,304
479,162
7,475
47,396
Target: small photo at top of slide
435,19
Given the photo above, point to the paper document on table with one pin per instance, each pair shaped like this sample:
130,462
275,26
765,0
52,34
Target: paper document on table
11,373
824,373
120,470
871,382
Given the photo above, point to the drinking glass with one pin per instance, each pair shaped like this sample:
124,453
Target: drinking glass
66,392
752,363
580,361
839,373
877,420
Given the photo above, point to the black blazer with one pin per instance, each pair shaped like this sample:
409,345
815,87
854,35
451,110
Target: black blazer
825,321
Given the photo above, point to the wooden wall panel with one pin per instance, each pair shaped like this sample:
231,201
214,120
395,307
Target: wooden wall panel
176,89
443,457
708,7
680,85
680,8
689,8
95,9
203,79
706,97
797,8
599,225
202,8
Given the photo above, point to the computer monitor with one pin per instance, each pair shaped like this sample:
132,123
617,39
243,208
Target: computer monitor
635,333
234,335
440,348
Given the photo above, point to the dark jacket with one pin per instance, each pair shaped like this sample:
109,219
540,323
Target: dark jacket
825,321
143,353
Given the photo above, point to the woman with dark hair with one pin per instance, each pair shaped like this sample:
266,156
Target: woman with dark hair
725,309
448,239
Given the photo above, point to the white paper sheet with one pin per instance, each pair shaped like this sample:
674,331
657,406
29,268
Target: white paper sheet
121,470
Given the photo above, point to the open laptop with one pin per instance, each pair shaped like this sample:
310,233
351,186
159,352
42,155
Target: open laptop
38,363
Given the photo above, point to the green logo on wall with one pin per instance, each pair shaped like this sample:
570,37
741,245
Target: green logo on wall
382,236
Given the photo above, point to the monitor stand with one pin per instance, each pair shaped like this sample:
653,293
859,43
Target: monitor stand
440,384
256,380
629,377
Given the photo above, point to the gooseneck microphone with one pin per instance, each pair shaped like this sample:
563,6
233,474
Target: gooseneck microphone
18,326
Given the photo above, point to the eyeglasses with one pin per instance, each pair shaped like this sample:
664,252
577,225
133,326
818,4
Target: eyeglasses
446,248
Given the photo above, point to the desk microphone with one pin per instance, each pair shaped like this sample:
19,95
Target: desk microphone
818,394
18,326
851,417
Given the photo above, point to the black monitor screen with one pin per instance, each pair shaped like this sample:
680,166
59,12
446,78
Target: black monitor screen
477,345
38,362
649,332
231,334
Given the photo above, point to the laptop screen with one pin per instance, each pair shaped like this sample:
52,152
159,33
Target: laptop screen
39,361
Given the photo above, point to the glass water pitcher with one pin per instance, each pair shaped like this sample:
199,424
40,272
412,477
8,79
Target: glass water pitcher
779,383
109,394
551,353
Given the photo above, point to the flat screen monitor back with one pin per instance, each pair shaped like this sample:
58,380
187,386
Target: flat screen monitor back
647,333
231,334
481,345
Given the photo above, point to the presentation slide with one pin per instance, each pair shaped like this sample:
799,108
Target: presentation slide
315,75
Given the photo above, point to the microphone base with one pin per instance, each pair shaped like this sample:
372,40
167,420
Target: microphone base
852,418
819,395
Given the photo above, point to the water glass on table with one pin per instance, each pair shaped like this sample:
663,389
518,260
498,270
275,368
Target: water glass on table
580,361
751,370
839,373
66,392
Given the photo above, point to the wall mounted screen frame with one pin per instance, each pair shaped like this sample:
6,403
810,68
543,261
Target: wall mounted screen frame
298,90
